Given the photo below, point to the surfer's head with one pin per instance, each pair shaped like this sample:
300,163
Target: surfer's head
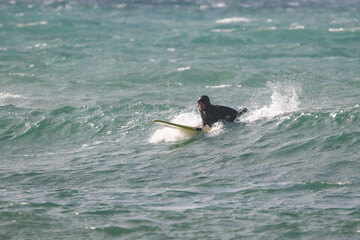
203,102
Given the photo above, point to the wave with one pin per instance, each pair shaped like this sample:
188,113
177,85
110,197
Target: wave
6,98
174,135
23,125
81,127
233,20
223,86
314,135
284,100
335,119
282,109
32,24
353,29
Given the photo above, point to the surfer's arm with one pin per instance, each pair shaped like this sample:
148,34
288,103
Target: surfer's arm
228,114
205,120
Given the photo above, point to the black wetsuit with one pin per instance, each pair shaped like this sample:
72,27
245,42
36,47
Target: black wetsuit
214,113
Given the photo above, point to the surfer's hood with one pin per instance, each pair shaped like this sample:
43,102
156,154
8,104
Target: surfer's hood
205,99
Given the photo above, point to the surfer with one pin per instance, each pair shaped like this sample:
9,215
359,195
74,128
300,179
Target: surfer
210,114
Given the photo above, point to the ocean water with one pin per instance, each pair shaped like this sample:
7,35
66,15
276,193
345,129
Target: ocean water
81,82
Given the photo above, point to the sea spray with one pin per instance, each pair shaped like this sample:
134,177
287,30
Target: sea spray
284,100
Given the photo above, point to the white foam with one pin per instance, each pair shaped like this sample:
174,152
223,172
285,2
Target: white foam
8,95
233,20
8,98
121,5
166,134
294,4
21,25
284,100
204,7
296,26
217,129
220,86
4,96
336,29
169,135
223,86
272,28
354,29
219,5
223,30
183,69
174,135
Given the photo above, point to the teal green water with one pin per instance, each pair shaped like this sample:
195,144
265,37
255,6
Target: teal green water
81,82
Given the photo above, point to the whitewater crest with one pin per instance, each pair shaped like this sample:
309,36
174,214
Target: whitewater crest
8,98
233,20
284,100
169,135
165,134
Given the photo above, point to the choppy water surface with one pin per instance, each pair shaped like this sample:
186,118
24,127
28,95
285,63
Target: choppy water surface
81,82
